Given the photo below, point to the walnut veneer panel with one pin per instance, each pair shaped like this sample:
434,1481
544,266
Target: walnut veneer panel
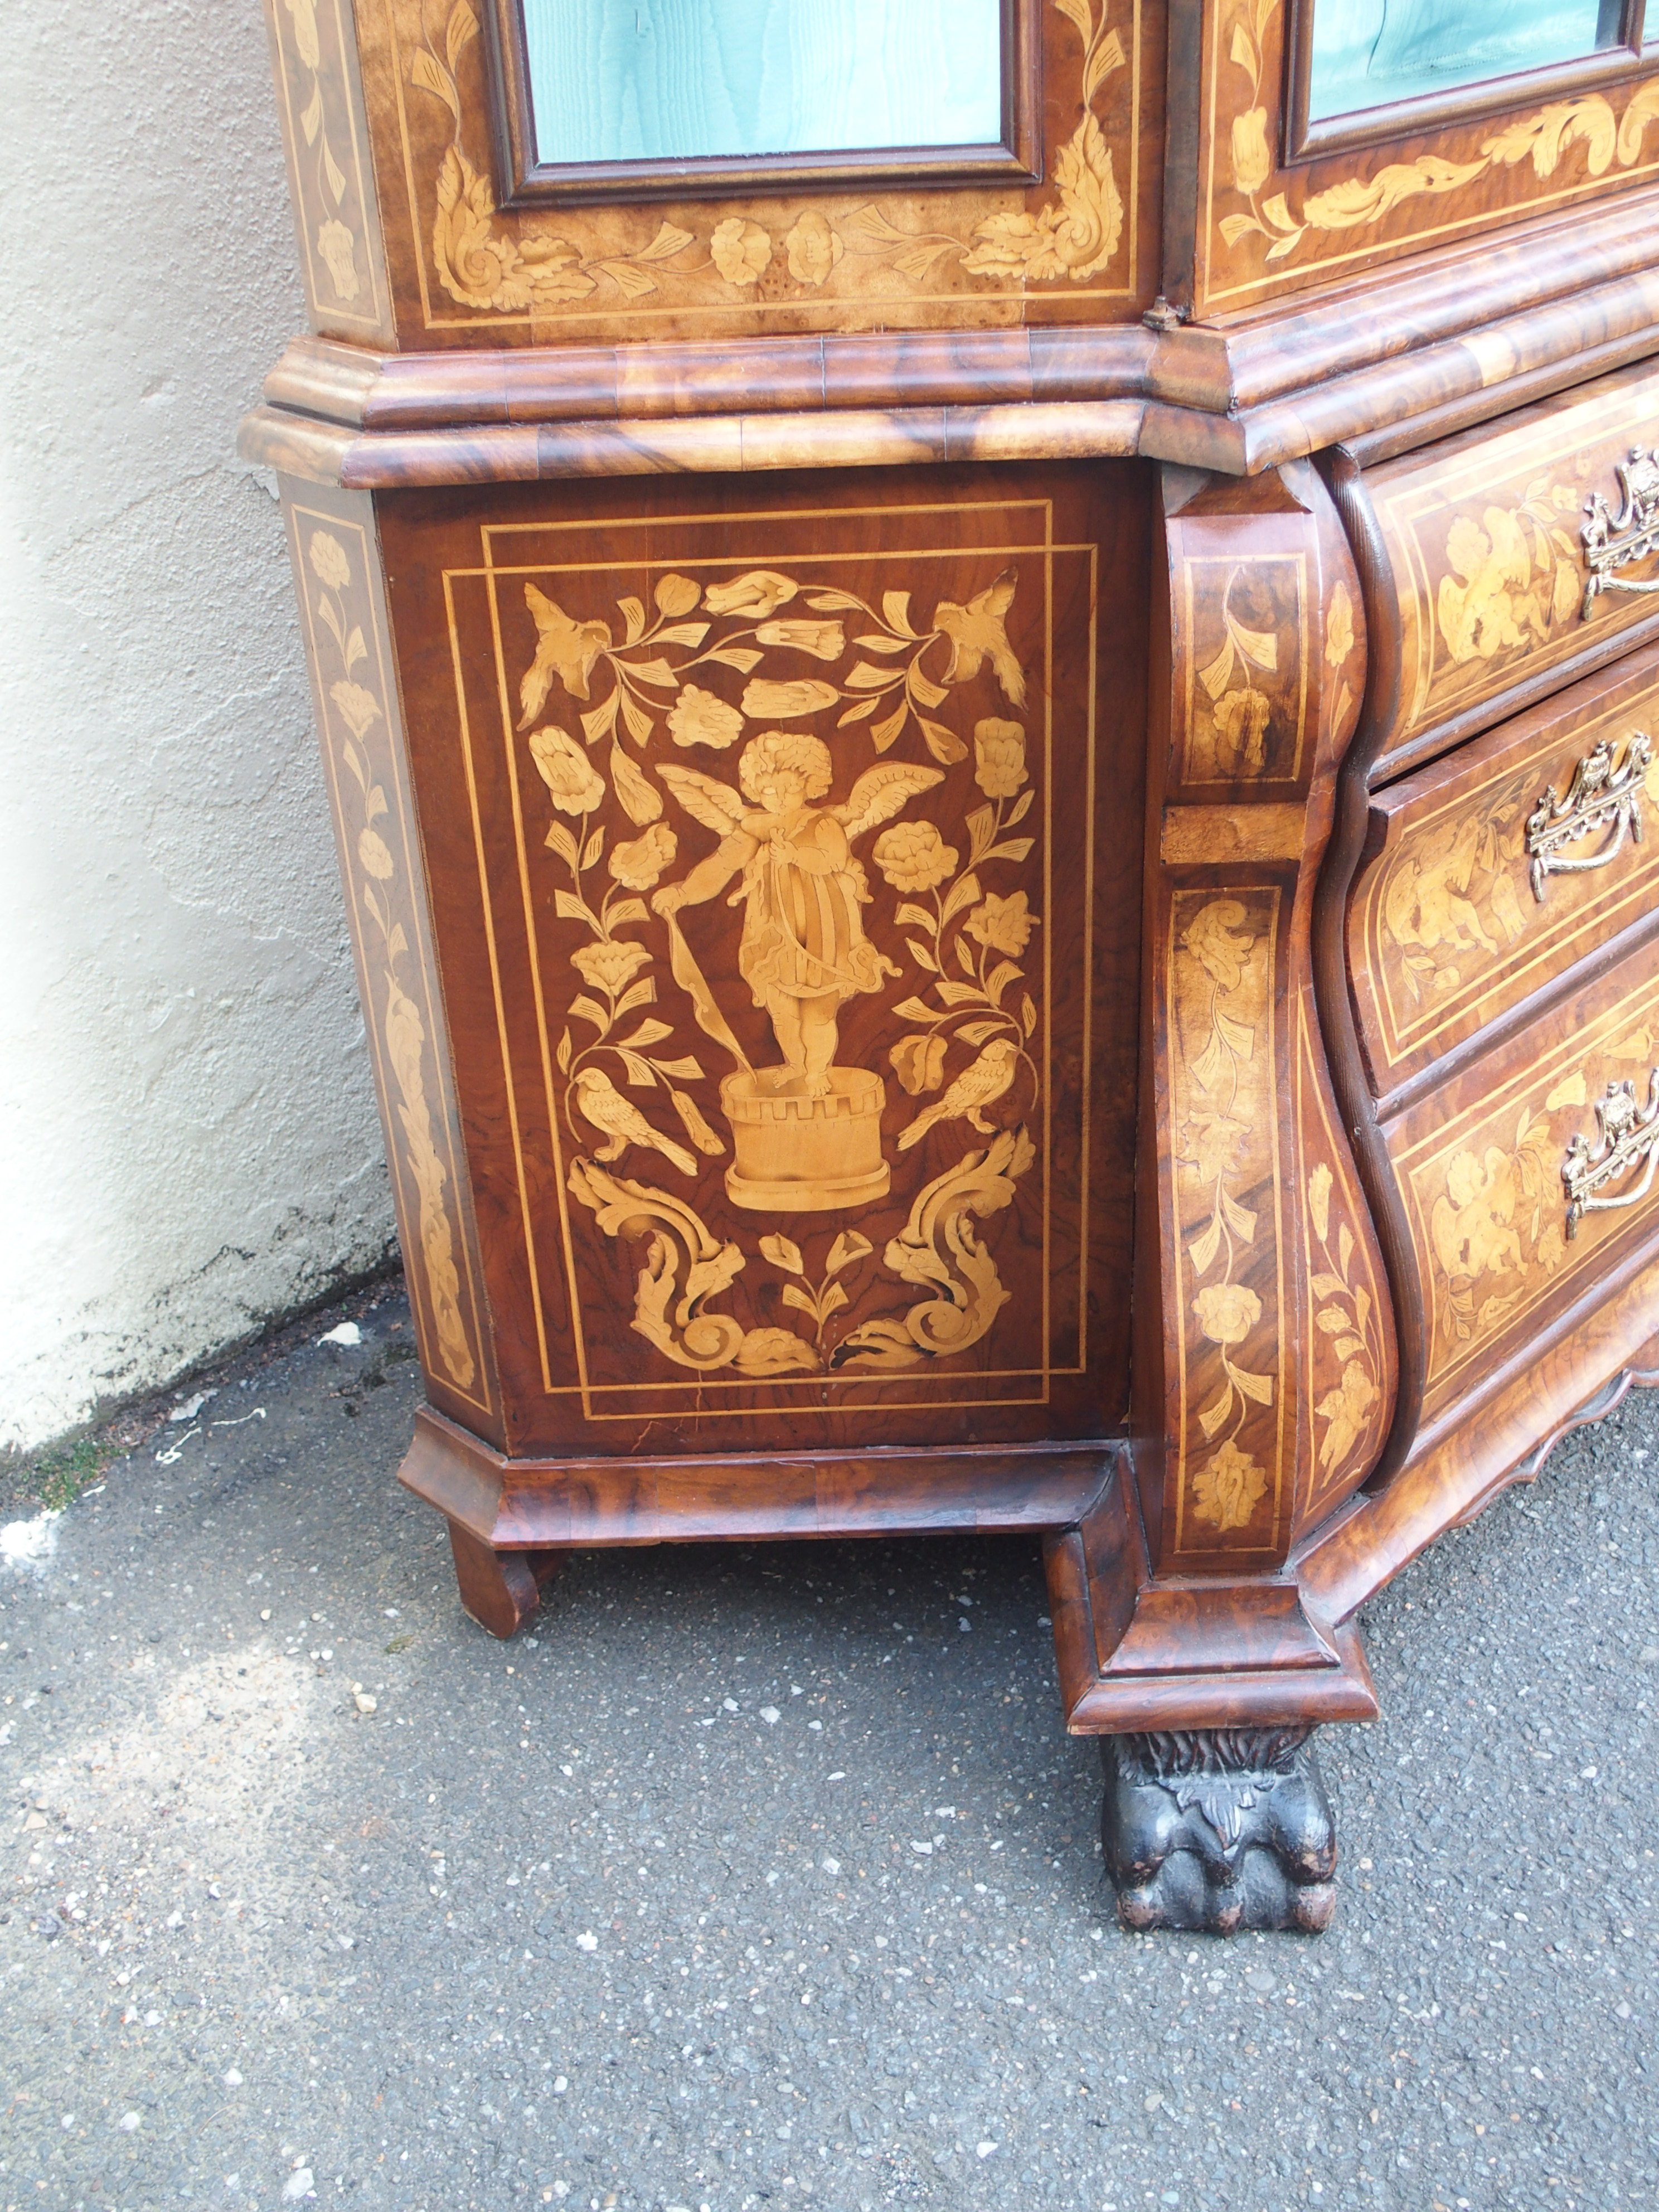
1480,1162
1082,246
1262,227
1456,923
713,784
1482,534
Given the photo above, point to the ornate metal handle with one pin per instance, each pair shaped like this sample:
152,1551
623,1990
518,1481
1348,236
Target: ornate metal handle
1627,1137
1612,542
1600,796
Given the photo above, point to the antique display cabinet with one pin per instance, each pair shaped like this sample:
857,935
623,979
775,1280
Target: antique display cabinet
986,670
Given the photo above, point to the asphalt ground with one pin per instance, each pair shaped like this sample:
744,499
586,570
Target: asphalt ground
760,1875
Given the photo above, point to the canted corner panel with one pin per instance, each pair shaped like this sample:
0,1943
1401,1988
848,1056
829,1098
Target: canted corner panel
1071,249
1266,228
336,569
1486,538
1271,1410
330,173
1268,638
801,882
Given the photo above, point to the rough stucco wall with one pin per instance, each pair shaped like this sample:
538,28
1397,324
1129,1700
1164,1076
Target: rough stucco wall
188,1142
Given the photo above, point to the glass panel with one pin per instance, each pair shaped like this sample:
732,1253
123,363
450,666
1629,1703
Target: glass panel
1367,53
680,79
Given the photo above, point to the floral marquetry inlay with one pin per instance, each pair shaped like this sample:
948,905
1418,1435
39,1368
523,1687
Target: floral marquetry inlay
791,836
1272,217
382,883
1222,1111
1074,231
1248,684
328,162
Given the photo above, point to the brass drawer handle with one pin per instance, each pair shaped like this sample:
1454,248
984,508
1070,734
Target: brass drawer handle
1598,795
1613,541
1627,1138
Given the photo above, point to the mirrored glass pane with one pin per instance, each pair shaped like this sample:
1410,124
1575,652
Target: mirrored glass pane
681,80
1367,53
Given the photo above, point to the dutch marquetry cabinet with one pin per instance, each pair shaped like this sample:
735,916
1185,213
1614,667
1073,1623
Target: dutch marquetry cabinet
987,672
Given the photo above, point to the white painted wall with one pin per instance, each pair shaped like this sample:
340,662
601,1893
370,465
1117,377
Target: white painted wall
188,1143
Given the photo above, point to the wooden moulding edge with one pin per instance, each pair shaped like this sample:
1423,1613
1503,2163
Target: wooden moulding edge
378,421
1035,430
1500,1440
518,1504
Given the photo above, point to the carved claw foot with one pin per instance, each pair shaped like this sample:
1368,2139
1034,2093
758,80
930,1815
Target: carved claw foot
1219,1829
500,1589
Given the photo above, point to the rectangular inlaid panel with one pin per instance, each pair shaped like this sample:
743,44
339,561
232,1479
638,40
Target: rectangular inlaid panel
1267,225
1502,865
1484,533
1481,1163
1080,246
792,865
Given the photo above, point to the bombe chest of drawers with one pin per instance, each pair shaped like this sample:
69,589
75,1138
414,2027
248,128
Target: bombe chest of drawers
988,672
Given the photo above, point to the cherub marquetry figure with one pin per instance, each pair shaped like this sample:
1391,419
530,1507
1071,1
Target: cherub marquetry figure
803,954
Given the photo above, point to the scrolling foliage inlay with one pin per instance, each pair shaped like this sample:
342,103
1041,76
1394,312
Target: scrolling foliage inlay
1281,218
571,260
658,866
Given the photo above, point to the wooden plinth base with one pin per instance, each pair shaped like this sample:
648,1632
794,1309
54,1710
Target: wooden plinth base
1138,1652
528,1504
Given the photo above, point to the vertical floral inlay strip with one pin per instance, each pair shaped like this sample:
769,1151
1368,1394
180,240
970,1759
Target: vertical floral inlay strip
339,607
1222,1111
342,259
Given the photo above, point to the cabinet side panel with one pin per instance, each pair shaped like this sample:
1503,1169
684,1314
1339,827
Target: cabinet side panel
331,178
651,963
336,554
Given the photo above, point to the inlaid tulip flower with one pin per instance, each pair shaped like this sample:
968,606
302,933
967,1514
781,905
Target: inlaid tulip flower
913,856
565,768
639,865
611,966
757,592
999,758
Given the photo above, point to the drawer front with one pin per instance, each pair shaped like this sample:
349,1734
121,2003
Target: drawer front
1480,1165
1500,866
1485,532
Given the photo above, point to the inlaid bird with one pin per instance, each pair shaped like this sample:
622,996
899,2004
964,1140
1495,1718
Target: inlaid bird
570,647
973,1090
603,1105
976,630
